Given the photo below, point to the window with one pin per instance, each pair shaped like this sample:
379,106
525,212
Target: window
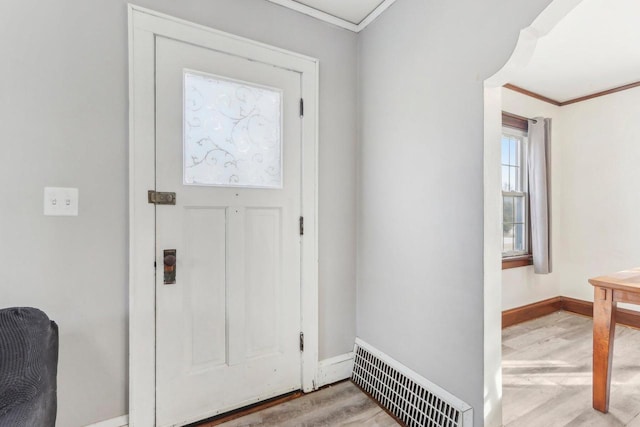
232,133
515,199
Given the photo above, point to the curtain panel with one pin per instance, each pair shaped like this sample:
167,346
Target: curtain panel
539,198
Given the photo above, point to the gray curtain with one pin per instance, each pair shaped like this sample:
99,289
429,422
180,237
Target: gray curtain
539,197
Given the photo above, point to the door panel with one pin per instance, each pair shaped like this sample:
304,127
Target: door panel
263,279
227,330
203,265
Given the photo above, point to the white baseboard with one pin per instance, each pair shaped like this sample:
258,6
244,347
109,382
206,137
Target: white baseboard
122,421
335,369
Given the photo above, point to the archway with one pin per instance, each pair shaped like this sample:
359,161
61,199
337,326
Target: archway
522,53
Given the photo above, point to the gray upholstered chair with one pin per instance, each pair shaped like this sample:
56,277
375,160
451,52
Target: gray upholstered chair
28,368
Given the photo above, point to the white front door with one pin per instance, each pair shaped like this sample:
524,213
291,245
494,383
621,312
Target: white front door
228,143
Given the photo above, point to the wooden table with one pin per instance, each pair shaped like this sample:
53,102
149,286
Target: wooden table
623,286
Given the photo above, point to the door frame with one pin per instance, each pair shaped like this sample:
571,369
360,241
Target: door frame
144,26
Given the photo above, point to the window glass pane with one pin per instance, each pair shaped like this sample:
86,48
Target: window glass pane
518,153
519,209
513,151
507,240
232,133
505,151
505,178
507,210
513,179
518,238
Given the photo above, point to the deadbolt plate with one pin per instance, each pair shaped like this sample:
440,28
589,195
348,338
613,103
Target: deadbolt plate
161,198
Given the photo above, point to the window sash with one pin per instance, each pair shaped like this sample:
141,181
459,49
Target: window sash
525,225
521,178
520,136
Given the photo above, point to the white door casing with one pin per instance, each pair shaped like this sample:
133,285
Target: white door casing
149,30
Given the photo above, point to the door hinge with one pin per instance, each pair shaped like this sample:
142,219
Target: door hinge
160,198
302,226
301,341
301,107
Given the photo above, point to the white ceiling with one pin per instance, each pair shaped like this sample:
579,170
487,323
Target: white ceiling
595,48
353,15
353,11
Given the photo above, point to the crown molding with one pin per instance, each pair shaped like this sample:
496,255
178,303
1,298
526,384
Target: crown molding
603,93
570,101
331,19
532,94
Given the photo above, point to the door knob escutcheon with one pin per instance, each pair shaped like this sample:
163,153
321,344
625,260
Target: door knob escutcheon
169,261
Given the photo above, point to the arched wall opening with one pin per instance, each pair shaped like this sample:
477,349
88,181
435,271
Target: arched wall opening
522,53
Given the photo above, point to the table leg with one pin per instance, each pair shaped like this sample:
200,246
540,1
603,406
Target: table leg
604,325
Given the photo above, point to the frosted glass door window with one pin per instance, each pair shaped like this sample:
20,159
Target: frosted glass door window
232,133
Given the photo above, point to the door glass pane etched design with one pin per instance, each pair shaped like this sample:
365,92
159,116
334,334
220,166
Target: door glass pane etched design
232,133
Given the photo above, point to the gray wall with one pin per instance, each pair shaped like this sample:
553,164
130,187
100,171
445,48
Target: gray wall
64,122
420,217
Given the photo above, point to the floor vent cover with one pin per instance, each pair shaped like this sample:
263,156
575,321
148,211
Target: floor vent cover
410,397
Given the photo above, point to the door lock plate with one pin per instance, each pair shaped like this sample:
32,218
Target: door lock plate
161,198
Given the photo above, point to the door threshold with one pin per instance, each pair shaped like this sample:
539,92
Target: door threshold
256,407
241,412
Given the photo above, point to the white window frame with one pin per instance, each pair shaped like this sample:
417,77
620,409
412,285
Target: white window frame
522,136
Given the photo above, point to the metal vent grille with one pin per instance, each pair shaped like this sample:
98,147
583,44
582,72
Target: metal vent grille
411,398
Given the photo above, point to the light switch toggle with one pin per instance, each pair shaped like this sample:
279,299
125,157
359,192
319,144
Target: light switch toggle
60,201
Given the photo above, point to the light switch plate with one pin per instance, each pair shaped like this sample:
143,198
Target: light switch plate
60,201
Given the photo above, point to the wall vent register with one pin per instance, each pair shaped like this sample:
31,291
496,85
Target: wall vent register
411,398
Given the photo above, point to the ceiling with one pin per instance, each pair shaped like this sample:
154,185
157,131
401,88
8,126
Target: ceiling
596,47
353,15
353,11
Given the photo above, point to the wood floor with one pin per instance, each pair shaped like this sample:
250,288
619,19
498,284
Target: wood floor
340,405
546,372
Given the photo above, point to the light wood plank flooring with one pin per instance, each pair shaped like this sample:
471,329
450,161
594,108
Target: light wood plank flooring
340,405
546,372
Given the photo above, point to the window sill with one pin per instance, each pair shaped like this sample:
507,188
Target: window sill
517,261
